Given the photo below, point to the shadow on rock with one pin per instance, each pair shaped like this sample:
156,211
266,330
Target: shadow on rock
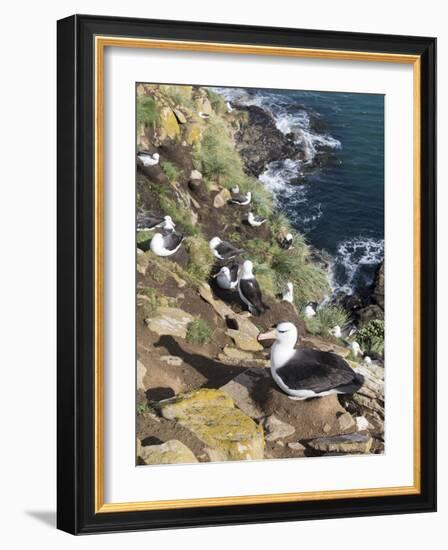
216,373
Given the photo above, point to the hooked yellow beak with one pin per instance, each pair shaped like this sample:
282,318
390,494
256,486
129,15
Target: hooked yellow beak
270,335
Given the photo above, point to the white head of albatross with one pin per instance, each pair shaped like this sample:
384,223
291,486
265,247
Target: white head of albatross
168,223
304,373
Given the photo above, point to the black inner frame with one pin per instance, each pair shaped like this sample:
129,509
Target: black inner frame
76,262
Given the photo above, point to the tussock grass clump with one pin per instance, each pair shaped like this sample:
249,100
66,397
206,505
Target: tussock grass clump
147,111
179,95
200,256
325,319
371,337
170,170
309,280
198,332
217,102
179,213
150,300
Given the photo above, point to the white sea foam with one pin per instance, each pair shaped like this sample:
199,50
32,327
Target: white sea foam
350,257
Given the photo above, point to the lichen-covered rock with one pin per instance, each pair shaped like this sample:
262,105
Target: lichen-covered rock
222,198
348,444
169,128
170,321
213,418
171,452
193,133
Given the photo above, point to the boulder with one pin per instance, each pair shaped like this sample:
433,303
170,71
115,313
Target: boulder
348,444
171,452
244,341
369,313
203,105
316,342
169,321
172,360
275,429
378,290
169,128
195,175
259,141
255,393
236,354
181,119
212,417
141,373
221,198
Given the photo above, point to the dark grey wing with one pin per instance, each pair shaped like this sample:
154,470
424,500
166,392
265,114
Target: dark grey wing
319,371
227,250
238,198
233,272
146,220
172,240
251,290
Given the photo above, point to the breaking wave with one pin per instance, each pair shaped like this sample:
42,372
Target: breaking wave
354,264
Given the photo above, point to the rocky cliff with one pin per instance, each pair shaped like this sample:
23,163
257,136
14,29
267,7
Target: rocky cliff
204,390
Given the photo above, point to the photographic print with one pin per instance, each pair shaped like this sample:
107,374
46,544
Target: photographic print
259,274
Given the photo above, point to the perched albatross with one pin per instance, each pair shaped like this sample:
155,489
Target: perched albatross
147,159
286,242
204,115
336,331
255,221
288,293
147,222
223,250
229,107
310,309
241,198
249,289
227,277
166,243
305,373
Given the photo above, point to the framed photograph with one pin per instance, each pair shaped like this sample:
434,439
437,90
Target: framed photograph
246,274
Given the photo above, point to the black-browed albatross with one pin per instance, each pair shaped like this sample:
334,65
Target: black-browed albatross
305,373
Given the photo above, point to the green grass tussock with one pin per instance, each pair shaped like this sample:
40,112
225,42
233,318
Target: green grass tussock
371,337
217,102
200,257
170,170
147,111
325,319
198,332
180,96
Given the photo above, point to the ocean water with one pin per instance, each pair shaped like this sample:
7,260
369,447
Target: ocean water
336,195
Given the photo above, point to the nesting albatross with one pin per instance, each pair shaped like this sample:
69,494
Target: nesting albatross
242,199
305,373
147,222
227,277
166,243
249,289
223,250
